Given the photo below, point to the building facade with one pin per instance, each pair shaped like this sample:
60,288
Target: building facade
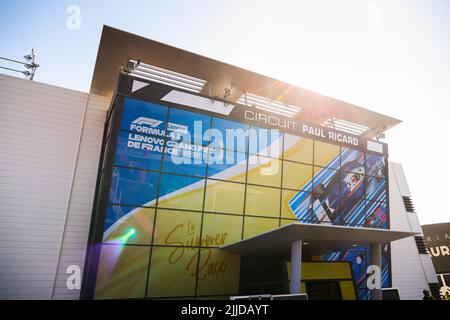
155,186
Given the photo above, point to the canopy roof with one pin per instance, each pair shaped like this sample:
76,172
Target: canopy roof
118,47
319,237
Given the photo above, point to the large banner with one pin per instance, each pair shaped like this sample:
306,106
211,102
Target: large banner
186,183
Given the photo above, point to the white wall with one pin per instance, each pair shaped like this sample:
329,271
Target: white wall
76,233
50,140
411,271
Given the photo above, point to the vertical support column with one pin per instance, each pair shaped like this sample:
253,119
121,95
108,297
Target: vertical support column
375,259
296,266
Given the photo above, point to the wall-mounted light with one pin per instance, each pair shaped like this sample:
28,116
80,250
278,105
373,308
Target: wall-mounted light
30,65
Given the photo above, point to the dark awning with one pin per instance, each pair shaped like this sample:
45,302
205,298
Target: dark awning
117,47
321,237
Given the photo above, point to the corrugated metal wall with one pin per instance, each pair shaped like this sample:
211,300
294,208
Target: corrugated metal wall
81,199
411,271
50,141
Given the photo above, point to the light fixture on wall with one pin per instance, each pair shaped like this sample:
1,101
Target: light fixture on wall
381,134
31,65
227,90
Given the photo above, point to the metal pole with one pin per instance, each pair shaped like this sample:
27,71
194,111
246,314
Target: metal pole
33,70
10,69
375,259
15,61
296,266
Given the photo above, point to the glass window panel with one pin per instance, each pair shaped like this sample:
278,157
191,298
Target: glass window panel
133,187
296,204
326,155
375,165
230,135
352,212
122,272
376,215
139,151
226,197
262,201
325,210
220,229
185,159
265,142
326,182
144,117
254,226
188,127
298,148
375,189
352,185
129,225
228,165
181,192
177,228
265,171
218,272
297,176
352,160
172,272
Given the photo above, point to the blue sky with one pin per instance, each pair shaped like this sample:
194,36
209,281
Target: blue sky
389,56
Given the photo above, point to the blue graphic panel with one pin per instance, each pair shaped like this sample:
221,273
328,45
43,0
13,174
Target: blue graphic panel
376,215
352,185
222,160
144,117
353,212
190,160
359,258
133,187
326,182
139,151
229,135
376,189
171,183
352,160
375,165
325,210
385,274
188,127
301,205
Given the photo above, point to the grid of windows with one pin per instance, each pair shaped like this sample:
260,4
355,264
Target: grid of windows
178,193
